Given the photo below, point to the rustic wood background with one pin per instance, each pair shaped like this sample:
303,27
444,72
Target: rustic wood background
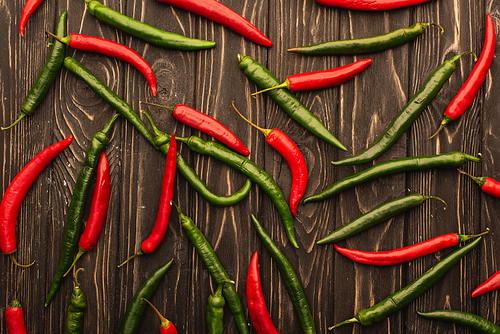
356,112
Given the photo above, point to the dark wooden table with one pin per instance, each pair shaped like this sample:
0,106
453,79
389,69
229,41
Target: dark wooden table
356,112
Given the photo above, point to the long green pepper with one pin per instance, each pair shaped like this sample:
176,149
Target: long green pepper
107,95
407,115
162,141
216,270
250,169
290,278
367,44
445,160
215,310
77,205
286,100
76,310
137,307
144,31
376,216
47,75
409,293
463,318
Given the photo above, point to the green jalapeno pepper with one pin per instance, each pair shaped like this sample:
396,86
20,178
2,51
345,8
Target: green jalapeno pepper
367,44
215,310
144,31
76,310
47,75
216,270
445,160
137,306
463,318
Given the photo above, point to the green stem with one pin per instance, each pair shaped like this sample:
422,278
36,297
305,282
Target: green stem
349,321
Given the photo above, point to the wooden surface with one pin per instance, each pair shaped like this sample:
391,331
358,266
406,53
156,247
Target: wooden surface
356,112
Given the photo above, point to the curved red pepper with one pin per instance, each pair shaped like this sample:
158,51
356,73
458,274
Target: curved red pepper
322,79
468,92
261,320
206,124
17,190
149,245
406,254
370,5
220,13
488,185
98,210
14,318
278,140
29,8
491,284
112,49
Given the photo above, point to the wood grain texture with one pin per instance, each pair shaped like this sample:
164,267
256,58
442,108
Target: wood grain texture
356,112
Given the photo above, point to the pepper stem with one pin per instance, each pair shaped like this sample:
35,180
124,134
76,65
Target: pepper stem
80,253
439,199
64,40
264,131
18,292
437,25
478,180
462,238
132,257
282,85
164,321
218,291
13,259
349,321
77,285
171,109
23,114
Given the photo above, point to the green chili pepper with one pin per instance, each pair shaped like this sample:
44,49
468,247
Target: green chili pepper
137,307
162,141
408,114
463,318
290,278
215,310
376,216
215,268
366,45
144,31
77,205
409,293
76,310
247,167
286,100
107,95
47,74
445,160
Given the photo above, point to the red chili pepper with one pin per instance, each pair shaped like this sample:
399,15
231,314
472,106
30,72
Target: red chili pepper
98,210
112,49
370,4
220,13
29,8
321,79
149,245
468,92
491,284
261,320
206,124
17,190
488,185
289,150
408,253
14,317
166,327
